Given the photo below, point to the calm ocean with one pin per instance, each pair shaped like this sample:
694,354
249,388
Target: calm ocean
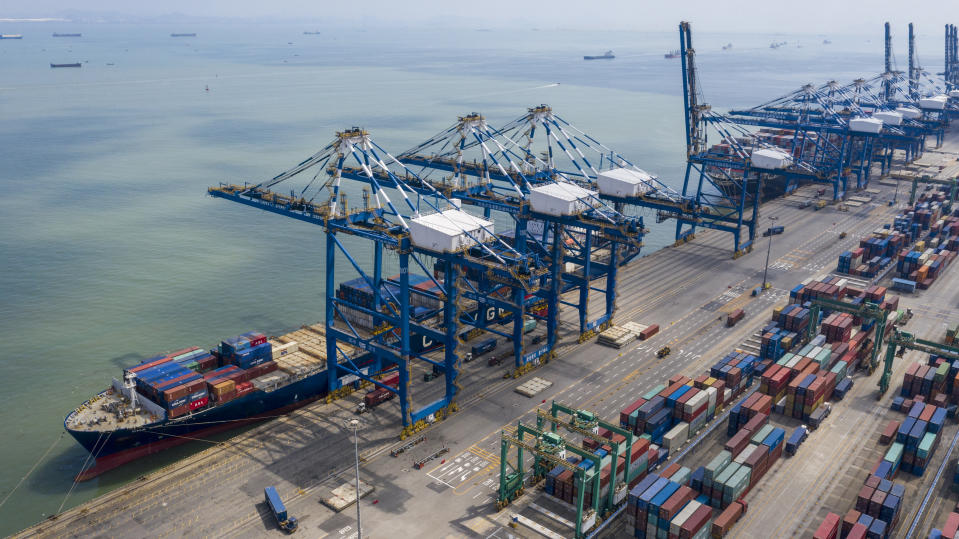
111,251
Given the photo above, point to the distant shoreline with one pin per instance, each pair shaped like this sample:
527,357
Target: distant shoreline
36,20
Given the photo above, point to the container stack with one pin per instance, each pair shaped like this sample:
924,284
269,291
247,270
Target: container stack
247,350
561,483
793,317
877,508
745,414
926,380
662,507
837,327
176,388
747,457
807,392
919,436
736,370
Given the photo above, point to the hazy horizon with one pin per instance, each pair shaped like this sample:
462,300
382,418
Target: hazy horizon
814,17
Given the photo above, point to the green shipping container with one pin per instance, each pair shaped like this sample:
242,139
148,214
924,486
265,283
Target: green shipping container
840,369
653,392
895,453
716,466
761,435
925,446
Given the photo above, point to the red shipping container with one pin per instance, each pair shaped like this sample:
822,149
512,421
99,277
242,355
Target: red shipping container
951,526
649,332
695,522
829,527
199,403
624,414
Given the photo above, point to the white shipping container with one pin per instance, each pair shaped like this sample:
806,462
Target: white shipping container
449,231
712,392
682,517
695,402
561,199
676,436
741,458
953,93
624,182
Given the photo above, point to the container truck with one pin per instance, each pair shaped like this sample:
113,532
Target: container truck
287,523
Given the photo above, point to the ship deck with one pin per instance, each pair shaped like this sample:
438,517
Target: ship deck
685,289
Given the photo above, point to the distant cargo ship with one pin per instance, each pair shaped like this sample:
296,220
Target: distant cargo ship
66,35
607,56
671,54
11,36
183,35
311,33
75,64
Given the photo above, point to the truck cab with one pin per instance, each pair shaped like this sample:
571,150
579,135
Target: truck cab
287,523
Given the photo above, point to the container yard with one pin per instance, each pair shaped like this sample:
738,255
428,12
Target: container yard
714,389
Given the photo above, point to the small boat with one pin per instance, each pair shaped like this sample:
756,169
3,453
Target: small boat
11,36
727,46
182,35
75,64
67,35
826,42
607,56
671,54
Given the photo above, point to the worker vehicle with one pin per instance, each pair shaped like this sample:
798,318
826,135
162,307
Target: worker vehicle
663,352
820,204
842,235
494,360
287,523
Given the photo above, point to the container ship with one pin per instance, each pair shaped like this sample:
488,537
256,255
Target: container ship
67,35
608,55
183,35
11,36
75,64
169,399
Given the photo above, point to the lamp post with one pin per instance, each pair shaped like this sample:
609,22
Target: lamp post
769,247
355,425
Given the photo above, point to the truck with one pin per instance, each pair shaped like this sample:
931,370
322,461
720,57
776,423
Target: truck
796,439
529,325
287,523
484,347
377,396
773,231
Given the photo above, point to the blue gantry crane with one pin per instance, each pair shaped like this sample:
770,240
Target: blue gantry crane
422,227
826,134
540,227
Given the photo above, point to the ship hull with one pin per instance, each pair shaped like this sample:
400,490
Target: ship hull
120,446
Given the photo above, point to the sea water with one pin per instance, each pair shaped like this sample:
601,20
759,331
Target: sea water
112,252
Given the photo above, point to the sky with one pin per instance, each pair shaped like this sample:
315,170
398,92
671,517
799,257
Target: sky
769,16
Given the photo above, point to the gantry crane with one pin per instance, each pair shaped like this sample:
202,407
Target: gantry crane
552,448
900,341
587,424
867,310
